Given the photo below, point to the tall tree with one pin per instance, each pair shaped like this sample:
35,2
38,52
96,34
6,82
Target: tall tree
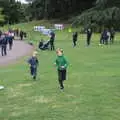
104,13
56,8
13,11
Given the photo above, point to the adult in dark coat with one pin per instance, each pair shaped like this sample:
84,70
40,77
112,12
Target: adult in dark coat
21,35
3,46
112,35
89,35
75,36
52,39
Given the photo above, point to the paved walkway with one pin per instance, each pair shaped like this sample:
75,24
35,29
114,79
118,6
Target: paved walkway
20,49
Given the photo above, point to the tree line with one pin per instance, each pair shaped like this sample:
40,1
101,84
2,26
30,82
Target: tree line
104,13
93,13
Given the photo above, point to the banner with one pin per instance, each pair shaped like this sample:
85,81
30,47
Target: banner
59,26
39,28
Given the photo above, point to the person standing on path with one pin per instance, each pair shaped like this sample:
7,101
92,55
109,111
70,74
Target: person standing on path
9,38
3,45
21,35
61,64
33,62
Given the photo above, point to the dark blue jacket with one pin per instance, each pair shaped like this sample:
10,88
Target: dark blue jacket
33,61
9,39
105,35
52,34
3,41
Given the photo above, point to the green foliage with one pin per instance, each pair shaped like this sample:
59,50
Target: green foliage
105,13
49,9
14,11
1,16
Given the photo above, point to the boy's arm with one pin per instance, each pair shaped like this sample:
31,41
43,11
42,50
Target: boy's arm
66,62
56,63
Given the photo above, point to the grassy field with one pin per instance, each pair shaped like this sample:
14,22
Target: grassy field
92,91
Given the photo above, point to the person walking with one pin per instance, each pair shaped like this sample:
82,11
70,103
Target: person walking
3,45
61,64
75,36
9,38
21,35
33,62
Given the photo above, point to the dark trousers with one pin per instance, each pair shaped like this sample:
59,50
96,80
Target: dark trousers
101,41
61,77
74,43
111,39
21,37
88,40
3,50
10,45
33,71
52,47
106,41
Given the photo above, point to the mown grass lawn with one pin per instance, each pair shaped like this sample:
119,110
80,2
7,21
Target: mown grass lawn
92,91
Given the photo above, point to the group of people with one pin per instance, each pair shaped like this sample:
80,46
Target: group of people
60,62
6,39
107,36
49,44
20,33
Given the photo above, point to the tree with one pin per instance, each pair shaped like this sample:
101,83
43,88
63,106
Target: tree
104,13
1,16
50,9
13,11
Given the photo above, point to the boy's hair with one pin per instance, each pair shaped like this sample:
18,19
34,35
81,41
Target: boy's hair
59,50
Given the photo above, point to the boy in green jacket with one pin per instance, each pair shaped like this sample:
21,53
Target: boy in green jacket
61,64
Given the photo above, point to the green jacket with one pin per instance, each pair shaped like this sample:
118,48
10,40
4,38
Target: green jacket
61,61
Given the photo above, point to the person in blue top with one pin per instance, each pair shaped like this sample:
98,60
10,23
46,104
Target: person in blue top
9,40
33,62
105,36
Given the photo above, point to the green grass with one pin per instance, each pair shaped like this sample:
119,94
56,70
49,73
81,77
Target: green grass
92,91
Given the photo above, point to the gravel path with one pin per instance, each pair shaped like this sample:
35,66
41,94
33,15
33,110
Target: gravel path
20,49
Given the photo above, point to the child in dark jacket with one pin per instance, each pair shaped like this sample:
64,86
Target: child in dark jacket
33,62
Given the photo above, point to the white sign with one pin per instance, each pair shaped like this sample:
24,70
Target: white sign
46,31
39,28
59,26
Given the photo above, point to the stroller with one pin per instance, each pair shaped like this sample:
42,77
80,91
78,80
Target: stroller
45,45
